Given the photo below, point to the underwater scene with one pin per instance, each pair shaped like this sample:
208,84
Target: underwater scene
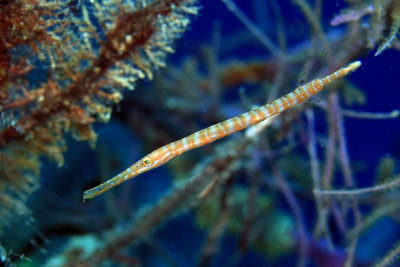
200,133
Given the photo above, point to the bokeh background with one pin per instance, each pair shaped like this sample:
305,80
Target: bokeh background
258,206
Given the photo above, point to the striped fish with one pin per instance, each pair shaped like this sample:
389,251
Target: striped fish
163,154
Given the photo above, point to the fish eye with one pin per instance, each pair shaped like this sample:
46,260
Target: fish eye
147,161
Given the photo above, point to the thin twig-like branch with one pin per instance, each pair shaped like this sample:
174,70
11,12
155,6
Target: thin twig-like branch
251,27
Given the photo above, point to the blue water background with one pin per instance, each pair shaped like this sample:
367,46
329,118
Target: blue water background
369,140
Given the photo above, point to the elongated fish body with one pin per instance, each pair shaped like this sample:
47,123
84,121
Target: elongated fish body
163,154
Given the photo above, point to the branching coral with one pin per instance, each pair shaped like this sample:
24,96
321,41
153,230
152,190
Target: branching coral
384,21
85,55
291,193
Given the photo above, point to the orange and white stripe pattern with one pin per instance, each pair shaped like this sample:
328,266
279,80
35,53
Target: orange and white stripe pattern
163,154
